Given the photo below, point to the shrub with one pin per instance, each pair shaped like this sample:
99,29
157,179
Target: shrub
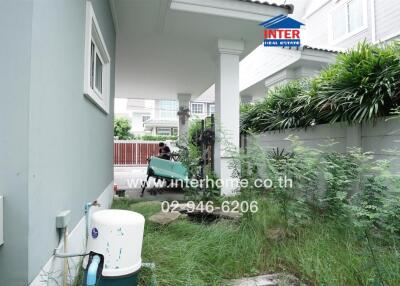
122,127
362,85
284,107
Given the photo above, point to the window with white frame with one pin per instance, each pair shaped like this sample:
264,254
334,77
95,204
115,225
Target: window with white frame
348,18
168,109
211,109
145,118
197,108
163,131
97,63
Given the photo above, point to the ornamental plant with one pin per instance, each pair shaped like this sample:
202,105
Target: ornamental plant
362,85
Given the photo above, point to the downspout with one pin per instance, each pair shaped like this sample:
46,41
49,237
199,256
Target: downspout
373,22
92,271
67,255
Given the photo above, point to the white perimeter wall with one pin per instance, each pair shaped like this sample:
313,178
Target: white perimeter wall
377,138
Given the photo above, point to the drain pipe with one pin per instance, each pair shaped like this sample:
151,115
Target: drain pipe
68,255
87,213
152,267
92,271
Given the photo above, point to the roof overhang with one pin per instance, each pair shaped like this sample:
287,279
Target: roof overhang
165,47
266,67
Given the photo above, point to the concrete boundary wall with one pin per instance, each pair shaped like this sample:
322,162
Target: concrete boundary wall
378,137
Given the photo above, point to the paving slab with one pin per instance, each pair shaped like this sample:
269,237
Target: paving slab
164,218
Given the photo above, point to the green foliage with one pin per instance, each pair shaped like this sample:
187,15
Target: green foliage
284,107
322,253
122,127
362,85
351,187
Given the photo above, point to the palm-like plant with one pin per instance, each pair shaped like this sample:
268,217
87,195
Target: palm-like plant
362,85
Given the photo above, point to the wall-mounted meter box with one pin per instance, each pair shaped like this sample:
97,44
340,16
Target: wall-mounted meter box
1,221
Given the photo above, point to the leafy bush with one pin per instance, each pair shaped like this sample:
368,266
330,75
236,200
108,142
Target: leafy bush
362,85
284,107
350,187
122,127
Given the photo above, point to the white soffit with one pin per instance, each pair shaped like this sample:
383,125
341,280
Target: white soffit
227,8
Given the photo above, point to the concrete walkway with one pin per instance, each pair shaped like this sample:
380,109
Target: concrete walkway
131,179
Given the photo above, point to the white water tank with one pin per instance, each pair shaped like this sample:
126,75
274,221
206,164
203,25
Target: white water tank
118,236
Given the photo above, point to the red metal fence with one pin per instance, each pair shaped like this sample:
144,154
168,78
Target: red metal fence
127,152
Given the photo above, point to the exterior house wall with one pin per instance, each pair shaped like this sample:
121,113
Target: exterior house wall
387,15
15,57
79,134
57,152
319,27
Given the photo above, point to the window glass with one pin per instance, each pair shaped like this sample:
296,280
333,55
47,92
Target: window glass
99,74
145,118
168,109
212,109
339,21
355,15
91,64
197,108
163,131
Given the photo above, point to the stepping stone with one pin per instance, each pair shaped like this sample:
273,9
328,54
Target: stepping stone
227,215
277,279
164,218
147,203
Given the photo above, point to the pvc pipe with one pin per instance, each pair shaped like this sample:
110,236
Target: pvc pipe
92,271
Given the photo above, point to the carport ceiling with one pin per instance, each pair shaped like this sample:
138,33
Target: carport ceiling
165,47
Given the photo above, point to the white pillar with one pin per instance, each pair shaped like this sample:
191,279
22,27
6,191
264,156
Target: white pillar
227,104
183,106
246,98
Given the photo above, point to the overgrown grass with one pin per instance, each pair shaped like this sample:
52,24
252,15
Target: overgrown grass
320,253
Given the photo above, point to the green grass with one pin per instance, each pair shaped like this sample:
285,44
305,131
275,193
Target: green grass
322,253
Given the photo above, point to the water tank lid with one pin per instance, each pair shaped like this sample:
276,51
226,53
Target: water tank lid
121,217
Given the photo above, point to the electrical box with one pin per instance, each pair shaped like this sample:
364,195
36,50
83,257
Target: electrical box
63,219
1,221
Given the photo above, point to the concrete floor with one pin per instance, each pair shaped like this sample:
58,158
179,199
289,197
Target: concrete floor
131,179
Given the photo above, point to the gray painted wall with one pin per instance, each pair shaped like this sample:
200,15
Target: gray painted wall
56,147
377,138
15,34
70,139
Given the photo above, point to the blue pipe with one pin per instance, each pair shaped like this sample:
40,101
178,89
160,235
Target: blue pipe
92,271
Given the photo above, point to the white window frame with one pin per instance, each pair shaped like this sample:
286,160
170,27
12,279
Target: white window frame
348,34
196,103
164,129
146,115
93,34
209,111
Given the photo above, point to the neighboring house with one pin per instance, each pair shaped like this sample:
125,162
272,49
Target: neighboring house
158,117
344,23
331,26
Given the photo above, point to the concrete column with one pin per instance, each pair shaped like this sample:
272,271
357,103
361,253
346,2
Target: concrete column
183,113
246,98
227,103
